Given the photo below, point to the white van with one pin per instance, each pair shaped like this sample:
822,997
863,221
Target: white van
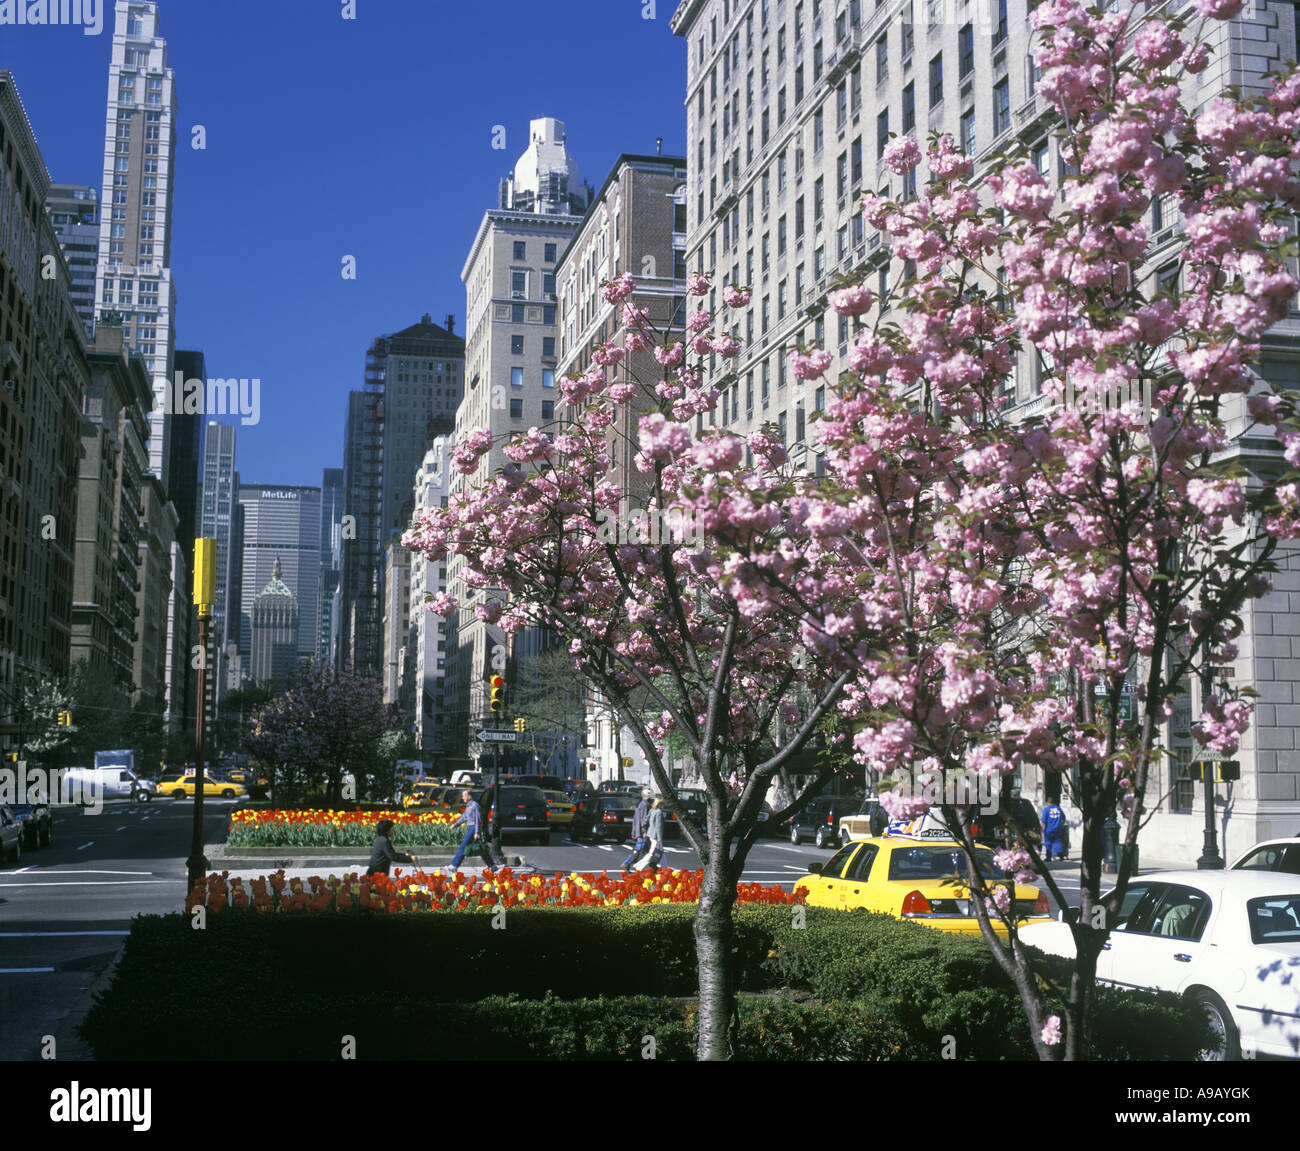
108,782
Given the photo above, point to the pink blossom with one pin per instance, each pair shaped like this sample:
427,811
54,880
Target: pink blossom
902,154
698,284
735,297
1156,45
852,301
669,357
1051,1032
635,319
1220,9
662,440
698,321
811,365
443,604
1022,191
725,346
619,289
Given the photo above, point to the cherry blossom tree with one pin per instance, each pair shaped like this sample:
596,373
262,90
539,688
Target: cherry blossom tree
970,586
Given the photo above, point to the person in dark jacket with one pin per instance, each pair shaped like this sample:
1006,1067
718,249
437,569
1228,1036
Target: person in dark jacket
639,819
472,818
382,855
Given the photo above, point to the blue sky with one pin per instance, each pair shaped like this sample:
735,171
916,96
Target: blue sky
329,137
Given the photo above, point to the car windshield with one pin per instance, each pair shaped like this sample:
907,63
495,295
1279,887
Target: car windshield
1274,920
933,861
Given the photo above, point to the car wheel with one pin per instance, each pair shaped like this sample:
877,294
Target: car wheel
795,838
227,794
18,851
142,797
822,837
179,793
1226,1039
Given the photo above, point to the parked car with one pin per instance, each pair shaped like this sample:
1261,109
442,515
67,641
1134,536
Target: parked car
869,821
37,823
1227,940
692,802
422,794
912,879
524,811
11,836
562,808
620,787
820,820
1272,855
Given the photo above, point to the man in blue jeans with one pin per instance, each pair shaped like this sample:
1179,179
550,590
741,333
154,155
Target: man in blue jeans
472,818
639,818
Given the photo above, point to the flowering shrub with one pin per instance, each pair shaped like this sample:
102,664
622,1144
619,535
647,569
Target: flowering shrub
339,828
421,891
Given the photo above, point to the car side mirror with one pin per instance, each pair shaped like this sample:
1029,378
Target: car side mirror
815,868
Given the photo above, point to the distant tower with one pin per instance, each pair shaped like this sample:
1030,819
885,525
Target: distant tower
275,630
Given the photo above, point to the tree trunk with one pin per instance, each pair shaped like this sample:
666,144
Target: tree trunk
714,938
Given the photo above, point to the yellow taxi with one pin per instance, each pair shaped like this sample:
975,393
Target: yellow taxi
561,807
914,879
185,786
422,794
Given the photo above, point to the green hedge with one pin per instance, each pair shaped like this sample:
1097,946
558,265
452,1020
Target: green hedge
579,983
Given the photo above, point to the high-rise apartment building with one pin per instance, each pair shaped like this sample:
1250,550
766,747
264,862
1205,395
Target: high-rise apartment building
790,105
44,372
397,623
134,277
510,360
426,641
414,380
281,533
74,212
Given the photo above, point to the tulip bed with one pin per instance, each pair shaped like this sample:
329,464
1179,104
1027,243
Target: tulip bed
280,828
419,891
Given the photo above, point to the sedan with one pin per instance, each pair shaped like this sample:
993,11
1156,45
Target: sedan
36,822
612,817
184,788
1272,855
918,880
1227,940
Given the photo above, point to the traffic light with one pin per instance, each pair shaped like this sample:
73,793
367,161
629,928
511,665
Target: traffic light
521,724
65,719
496,701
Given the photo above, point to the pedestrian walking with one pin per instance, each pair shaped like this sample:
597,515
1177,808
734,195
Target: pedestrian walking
472,818
382,854
639,818
1053,821
654,836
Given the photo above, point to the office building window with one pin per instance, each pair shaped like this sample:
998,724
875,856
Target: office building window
516,345
548,377
548,409
936,80
516,313
548,345
517,409
965,51
968,131
882,132
516,377
909,109
882,59
1001,107
548,253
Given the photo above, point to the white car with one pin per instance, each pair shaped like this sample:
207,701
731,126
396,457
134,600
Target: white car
1272,855
1228,939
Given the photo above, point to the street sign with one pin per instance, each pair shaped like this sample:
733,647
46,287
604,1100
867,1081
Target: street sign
497,737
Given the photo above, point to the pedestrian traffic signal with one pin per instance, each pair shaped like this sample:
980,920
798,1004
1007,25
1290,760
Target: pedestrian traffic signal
521,724
496,700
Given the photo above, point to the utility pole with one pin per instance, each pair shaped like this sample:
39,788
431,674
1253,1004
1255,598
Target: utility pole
205,584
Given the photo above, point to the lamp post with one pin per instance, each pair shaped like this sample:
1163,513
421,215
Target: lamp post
1210,859
205,581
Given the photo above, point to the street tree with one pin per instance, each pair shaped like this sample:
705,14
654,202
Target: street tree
970,587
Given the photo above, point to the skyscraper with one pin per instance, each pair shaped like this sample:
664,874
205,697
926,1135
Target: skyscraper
413,383
789,111
217,502
134,277
510,360
331,559
281,534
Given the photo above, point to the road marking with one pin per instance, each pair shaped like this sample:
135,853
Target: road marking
79,872
94,883
24,870
54,934
605,847
25,970
789,867
86,845
782,847
122,828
